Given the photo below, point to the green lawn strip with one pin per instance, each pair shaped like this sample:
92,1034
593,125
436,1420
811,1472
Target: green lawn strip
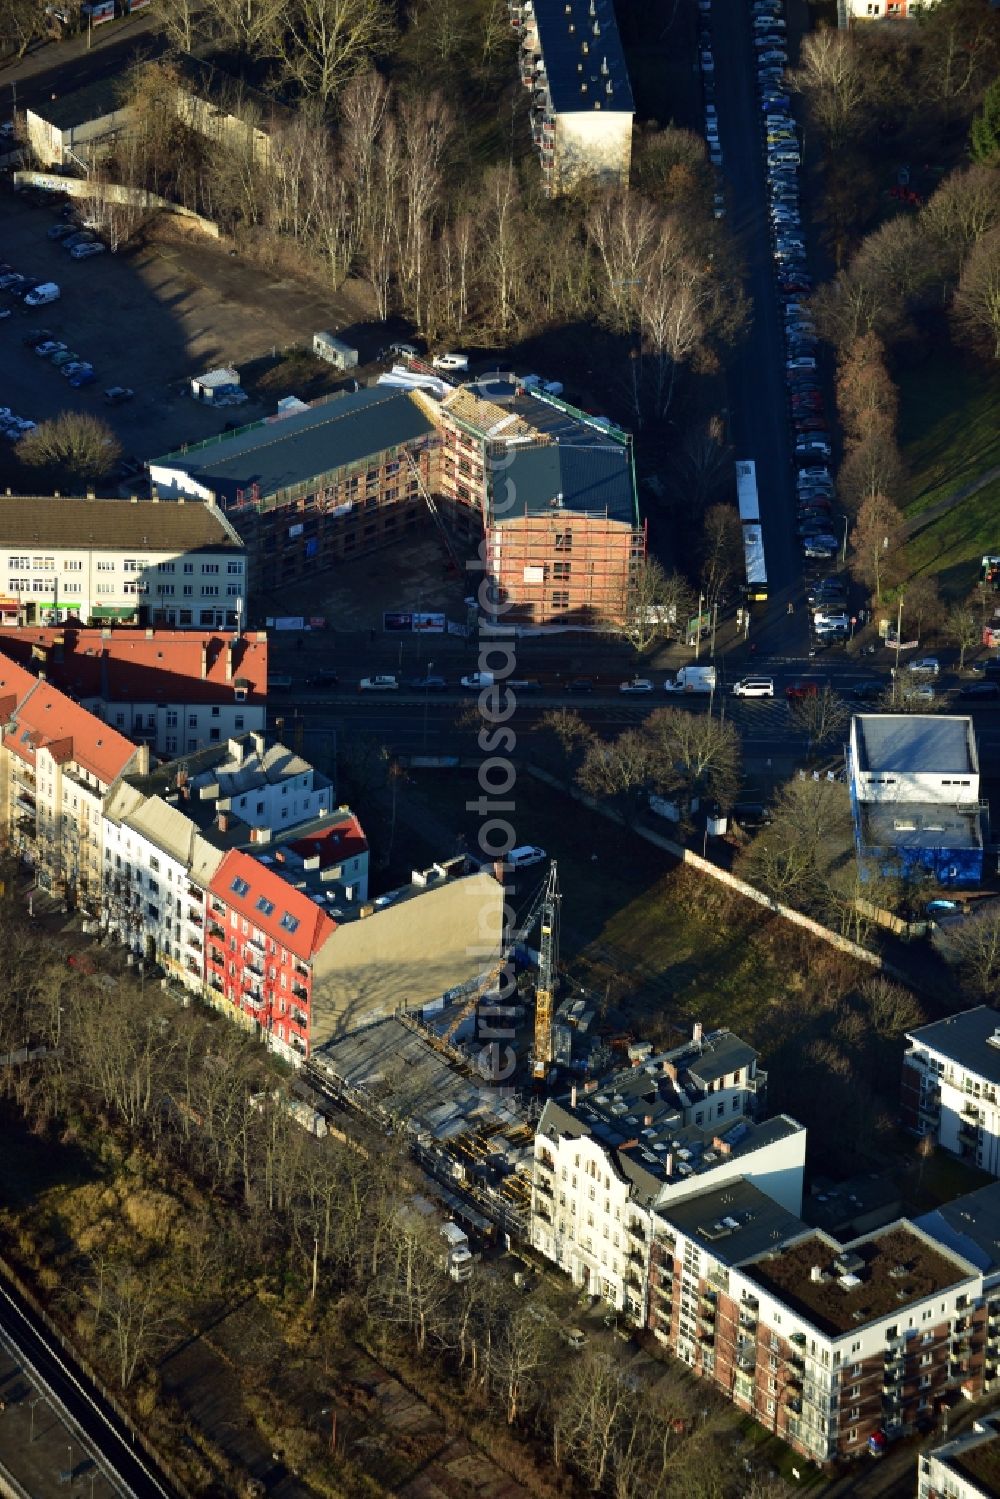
952,545
948,429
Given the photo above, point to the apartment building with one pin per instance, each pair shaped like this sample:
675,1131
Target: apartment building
951,1085
309,490
175,690
825,1344
166,832
306,971
968,1467
120,561
915,795
613,1154
582,109
554,490
57,763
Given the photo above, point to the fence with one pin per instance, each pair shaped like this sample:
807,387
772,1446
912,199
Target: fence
113,192
705,866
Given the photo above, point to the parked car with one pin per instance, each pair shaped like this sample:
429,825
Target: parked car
325,677
378,684
427,684
60,231
84,376
868,692
927,666
48,347
797,691
84,252
117,394
581,684
37,336
637,684
80,237
451,361
980,691
754,687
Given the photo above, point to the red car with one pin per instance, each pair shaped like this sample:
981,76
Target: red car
796,691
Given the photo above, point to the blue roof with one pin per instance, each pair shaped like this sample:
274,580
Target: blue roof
581,45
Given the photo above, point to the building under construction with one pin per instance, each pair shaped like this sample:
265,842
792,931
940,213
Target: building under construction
550,489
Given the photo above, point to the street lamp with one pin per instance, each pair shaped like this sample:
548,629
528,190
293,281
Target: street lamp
843,549
32,1404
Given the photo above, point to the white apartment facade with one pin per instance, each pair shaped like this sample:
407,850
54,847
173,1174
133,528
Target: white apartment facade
582,108
102,561
594,1202
951,1085
968,1467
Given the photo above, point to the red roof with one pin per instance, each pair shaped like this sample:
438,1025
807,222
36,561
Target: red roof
281,912
342,840
46,718
143,666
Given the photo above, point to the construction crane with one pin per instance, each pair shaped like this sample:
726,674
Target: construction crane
539,907
547,976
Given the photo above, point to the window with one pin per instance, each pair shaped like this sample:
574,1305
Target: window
560,569
288,922
214,737
265,906
564,541
560,599
233,590
20,562
211,591
164,567
171,743
43,564
72,567
240,886
216,711
187,591
189,567
171,718
238,721
210,567
235,568
165,589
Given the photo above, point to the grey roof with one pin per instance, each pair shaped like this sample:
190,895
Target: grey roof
583,34
92,102
965,1039
278,455
910,742
925,825
552,479
970,1226
734,1222
718,1054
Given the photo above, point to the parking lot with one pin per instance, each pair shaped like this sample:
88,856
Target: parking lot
146,318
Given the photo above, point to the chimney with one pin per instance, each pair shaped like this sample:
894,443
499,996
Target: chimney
697,1033
142,760
260,835
816,1273
668,1163
229,661
572,1096
204,662
180,779
222,822
647,1120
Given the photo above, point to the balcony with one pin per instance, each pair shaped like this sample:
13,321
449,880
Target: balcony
746,1357
544,1188
637,1231
544,1160
215,930
257,942
636,1257
799,1338
542,1212
195,918
254,968
194,944
970,1109
664,1291
300,993
748,1319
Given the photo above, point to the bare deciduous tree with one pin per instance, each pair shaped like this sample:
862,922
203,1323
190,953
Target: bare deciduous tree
963,629
657,605
325,42
876,539
973,945
721,551
977,300
78,445
833,77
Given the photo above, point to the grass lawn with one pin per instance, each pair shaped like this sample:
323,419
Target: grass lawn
950,437
769,1451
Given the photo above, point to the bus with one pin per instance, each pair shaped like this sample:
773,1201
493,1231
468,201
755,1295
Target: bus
753,540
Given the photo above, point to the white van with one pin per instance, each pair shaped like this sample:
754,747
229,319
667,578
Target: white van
451,361
521,858
42,295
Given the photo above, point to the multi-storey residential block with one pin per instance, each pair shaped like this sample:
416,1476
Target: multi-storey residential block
823,1343
968,1467
554,491
165,833
57,762
313,489
970,1226
307,970
581,99
175,690
129,561
914,785
951,1085
613,1154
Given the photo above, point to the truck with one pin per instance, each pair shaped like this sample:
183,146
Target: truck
693,679
456,1257
477,680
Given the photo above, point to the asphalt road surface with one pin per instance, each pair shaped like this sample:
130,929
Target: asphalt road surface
758,410
103,1429
62,67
